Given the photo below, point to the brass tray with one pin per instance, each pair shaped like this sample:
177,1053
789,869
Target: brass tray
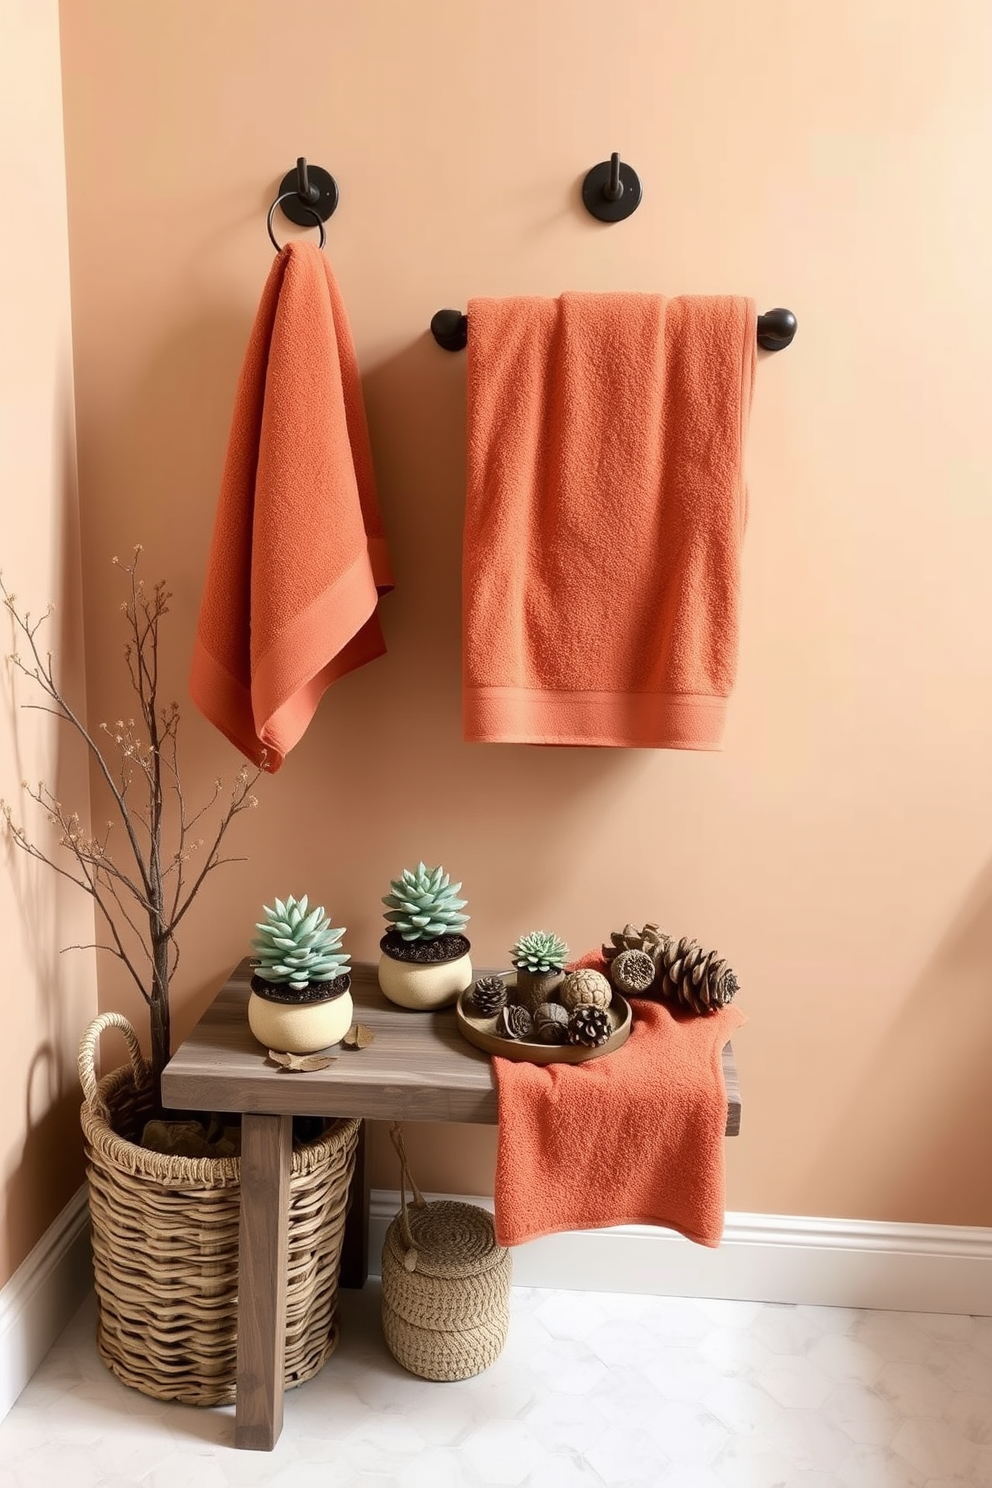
482,1033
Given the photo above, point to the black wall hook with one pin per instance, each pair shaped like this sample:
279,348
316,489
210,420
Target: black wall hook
309,192
611,190
775,329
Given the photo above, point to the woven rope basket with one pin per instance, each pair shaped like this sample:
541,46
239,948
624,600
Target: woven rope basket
445,1285
165,1243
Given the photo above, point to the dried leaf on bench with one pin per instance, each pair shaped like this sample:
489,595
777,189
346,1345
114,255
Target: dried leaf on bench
306,1062
359,1036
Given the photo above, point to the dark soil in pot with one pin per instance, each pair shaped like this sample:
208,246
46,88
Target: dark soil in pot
299,996
425,952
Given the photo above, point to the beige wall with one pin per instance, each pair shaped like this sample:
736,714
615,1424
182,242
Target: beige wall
829,158
47,998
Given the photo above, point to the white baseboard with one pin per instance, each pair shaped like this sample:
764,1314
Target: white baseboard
763,1258
42,1296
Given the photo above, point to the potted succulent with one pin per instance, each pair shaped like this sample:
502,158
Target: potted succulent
425,961
539,958
301,992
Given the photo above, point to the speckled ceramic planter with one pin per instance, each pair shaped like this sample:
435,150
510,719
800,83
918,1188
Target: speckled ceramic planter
424,985
300,1027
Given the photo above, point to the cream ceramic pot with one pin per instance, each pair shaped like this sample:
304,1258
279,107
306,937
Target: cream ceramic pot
300,1027
424,985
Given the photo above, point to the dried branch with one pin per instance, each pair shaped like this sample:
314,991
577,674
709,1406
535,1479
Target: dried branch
138,762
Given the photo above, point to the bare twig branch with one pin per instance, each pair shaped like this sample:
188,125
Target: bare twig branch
138,762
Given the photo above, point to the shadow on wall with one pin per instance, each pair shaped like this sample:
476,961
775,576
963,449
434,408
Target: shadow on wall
50,1166
942,1142
55,915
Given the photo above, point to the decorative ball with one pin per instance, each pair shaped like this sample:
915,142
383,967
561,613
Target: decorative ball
585,988
633,973
589,1026
551,1023
514,1022
489,995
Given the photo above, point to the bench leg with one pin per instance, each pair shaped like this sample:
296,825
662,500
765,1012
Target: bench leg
266,1154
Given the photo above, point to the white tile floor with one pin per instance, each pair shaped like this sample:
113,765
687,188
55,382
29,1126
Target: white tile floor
592,1389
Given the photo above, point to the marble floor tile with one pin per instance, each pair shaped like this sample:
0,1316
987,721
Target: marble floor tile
591,1391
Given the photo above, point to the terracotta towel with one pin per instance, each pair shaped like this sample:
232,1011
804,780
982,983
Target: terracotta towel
635,1137
298,558
604,517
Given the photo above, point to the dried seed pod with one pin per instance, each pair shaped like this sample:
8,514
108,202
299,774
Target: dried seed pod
633,973
585,987
514,1022
551,1023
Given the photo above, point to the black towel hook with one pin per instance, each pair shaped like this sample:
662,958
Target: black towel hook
308,195
611,190
775,329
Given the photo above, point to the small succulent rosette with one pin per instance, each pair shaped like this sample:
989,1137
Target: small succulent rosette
539,958
301,990
425,960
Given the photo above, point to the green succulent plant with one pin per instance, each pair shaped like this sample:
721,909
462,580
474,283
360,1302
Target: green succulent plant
539,951
424,904
296,945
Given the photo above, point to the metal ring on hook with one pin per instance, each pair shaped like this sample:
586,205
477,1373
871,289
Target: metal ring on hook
303,208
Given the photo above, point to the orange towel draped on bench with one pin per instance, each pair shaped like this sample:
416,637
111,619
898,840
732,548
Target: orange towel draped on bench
298,558
604,516
635,1137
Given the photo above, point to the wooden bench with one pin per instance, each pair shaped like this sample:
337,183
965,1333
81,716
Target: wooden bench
419,1068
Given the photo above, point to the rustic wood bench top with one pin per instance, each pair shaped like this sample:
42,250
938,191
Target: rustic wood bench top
419,1068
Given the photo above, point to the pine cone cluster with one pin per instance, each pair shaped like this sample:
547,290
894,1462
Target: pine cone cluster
695,979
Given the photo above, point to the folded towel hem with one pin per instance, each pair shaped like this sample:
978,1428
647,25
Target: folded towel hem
648,720
224,701
308,645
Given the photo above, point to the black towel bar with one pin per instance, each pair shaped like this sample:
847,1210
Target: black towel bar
776,329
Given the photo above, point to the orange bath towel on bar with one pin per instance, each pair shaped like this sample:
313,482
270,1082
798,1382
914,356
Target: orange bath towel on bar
634,1137
298,558
604,517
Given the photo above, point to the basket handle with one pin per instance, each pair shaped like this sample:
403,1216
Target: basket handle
87,1058
406,1180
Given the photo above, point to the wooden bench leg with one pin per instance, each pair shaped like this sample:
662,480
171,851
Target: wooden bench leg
266,1154
355,1245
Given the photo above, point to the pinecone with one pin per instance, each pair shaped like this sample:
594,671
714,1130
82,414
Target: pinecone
633,972
650,938
514,1023
589,1026
696,979
489,995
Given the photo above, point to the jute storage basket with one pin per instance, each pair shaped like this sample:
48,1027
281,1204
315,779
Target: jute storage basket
445,1285
165,1243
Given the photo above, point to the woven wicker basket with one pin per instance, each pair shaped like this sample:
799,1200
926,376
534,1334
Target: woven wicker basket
165,1243
445,1285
